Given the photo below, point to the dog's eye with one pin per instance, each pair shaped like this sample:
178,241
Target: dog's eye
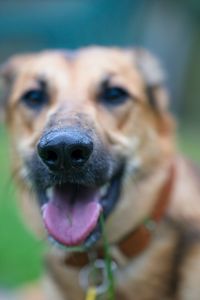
114,95
35,99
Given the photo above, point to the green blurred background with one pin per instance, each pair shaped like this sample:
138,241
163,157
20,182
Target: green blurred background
170,29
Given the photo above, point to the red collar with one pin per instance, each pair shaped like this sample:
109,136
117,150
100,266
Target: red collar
138,240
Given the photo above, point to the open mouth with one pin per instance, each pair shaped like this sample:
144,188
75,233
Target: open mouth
71,211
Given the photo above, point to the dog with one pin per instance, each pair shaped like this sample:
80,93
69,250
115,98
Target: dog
92,137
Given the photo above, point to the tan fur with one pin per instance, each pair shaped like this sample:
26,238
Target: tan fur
169,267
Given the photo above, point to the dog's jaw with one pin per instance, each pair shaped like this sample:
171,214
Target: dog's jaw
76,222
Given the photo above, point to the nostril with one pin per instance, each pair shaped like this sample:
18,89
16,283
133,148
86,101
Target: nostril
79,155
51,156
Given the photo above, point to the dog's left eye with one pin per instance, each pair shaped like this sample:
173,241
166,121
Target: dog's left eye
35,99
113,95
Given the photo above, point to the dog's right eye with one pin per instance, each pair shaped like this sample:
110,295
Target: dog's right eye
35,99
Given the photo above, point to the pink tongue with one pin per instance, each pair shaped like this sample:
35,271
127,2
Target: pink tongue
70,218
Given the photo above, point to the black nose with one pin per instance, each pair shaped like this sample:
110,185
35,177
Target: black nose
65,148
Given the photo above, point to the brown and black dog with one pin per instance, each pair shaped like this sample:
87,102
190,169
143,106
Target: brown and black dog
91,135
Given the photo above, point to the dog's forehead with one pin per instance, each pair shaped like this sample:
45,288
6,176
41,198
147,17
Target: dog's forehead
94,60
46,63
113,58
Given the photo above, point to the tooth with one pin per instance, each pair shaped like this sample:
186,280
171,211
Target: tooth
49,193
104,189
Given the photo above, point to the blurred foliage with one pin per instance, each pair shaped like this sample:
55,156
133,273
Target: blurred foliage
20,258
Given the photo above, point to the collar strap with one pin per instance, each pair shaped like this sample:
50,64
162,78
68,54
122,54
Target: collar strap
137,240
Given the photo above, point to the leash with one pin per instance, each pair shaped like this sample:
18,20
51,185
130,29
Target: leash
91,294
94,280
110,275
97,278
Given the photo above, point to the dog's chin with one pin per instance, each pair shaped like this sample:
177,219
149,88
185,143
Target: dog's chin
71,212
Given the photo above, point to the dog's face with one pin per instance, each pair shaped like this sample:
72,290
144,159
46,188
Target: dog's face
82,124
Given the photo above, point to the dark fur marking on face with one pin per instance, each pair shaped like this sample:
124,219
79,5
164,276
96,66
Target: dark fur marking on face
150,90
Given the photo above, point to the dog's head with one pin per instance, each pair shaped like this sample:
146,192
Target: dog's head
82,124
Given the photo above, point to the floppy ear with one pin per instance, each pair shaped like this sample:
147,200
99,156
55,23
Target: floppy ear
154,78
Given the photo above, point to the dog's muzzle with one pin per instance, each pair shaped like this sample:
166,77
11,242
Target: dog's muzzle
77,180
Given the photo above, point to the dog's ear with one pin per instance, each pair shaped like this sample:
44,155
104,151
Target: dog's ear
154,78
155,84
8,72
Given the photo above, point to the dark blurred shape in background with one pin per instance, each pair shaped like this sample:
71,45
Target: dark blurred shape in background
170,29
